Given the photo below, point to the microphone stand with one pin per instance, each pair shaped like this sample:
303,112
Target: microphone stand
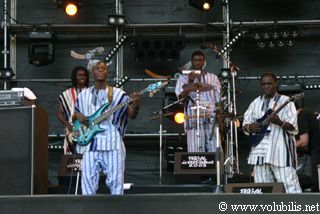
233,128
160,115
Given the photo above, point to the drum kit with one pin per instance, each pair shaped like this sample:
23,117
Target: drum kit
198,108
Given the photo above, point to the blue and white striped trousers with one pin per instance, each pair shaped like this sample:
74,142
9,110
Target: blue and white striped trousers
111,163
268,173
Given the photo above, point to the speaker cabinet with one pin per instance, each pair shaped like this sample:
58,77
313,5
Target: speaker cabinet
254,188
24,150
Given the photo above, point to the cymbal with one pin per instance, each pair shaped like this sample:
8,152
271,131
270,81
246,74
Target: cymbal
198,86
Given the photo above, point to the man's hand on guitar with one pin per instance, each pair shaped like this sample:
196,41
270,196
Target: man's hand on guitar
80,117
275,120
254,127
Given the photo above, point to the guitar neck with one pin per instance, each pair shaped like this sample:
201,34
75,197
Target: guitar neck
104,116
266,121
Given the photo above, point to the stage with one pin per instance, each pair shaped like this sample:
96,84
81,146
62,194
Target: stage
161,203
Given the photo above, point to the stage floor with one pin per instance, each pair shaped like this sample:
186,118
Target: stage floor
184,203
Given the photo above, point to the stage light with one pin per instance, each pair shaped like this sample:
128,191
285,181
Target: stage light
271,44
41,48
206,6
116,20
261,44
281,43
203,5
290,43
285,34
71,7
275,35
266,36
257,36
6,73
179,117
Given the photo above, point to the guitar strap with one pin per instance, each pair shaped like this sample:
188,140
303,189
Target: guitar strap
110,94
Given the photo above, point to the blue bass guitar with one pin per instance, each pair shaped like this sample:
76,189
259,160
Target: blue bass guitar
255,138
82,134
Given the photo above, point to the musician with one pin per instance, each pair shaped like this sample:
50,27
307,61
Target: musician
308,138
208,98
67,101
106,151
274,158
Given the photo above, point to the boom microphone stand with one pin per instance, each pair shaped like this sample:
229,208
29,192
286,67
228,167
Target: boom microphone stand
160,116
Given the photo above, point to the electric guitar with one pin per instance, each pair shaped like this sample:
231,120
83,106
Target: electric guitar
255,138
82,134
69,138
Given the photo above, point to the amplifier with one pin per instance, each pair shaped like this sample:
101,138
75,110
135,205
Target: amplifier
8,97
69,166
254,188
194,163
194,167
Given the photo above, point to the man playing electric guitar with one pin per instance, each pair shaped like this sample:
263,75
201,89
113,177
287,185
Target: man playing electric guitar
274,157
106,151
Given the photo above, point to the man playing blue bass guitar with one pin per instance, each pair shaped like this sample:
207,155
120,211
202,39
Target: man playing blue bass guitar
271,121
105,151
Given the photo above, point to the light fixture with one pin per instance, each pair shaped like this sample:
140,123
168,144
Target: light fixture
257,36
225,73
116,20
280,43
178,117
114,50
266,35
271,44
232,41
166,48
71,7
261,44
41,48
6,73
290,43
203,5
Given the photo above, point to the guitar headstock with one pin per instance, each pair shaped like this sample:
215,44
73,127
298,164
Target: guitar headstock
297,97
154,88
122,81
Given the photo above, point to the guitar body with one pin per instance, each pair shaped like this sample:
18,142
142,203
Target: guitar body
82,134
255,138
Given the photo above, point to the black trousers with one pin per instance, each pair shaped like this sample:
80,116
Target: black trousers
315,160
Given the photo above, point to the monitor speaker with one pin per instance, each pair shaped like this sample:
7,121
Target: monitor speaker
254,188
24,150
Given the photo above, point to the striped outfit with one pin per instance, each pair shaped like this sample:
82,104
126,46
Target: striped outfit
106,152
68,100
207,99
275,156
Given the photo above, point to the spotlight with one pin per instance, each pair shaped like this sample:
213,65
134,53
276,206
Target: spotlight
285,34
203,5
225,73
261,44
71,7
275,35
116,20
6,73
280,43
257,36
41,48
271,44
294,34
178,117
290,43
266,36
